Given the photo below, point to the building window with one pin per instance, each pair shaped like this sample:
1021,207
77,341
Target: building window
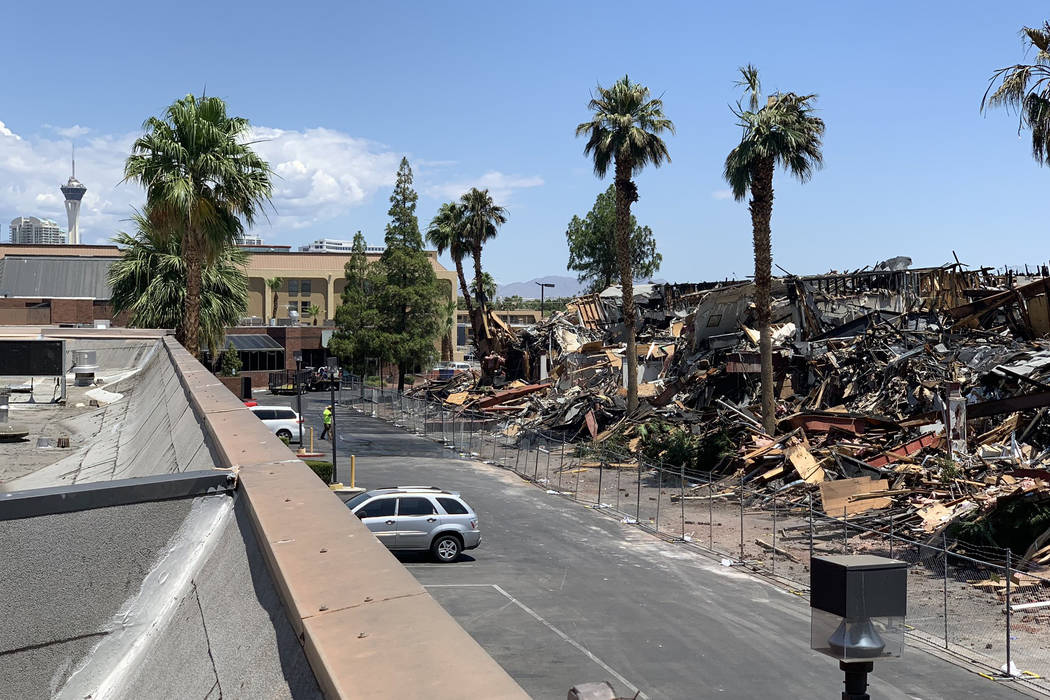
304,287
262,360
305,308
293,288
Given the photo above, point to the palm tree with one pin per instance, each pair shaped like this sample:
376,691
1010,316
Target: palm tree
482,218
313,312
274,285
446,233
149,282
783,132
624,131
203,182
488,286
1026,88
448,323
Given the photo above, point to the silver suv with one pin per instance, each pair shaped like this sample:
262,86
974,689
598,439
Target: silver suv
419,518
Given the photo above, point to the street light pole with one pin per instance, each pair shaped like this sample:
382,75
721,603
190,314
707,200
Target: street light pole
543,286
298,355
333,367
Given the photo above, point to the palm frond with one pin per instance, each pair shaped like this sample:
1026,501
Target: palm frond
784,132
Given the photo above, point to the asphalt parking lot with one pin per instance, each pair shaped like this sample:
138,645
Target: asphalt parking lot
560,594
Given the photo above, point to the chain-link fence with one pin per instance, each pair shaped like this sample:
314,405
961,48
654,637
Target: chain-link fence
955,601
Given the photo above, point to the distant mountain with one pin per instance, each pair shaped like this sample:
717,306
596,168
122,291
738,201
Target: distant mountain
563,287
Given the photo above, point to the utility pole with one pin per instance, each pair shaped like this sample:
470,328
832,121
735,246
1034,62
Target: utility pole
543,286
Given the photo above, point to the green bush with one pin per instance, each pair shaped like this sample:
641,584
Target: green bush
231,361
321,468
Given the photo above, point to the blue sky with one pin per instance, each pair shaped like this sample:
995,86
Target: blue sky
489,94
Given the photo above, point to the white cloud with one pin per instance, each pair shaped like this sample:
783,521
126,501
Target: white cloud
722,194
322,173
500,185
72,132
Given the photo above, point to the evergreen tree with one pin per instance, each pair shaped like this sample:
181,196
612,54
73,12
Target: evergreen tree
231,361
409,301
356,318
592,245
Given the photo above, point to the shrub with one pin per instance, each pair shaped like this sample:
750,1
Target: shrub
321,468
231,361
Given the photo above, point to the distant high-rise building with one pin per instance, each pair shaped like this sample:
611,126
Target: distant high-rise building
73,192
336,245
31,230
247,239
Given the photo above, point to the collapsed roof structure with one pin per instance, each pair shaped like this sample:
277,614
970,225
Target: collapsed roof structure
923,391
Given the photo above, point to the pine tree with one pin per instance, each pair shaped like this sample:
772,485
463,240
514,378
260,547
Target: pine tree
410,301
356,318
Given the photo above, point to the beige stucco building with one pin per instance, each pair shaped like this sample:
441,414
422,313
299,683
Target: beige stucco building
310,279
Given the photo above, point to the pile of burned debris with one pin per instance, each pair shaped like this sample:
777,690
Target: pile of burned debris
917,396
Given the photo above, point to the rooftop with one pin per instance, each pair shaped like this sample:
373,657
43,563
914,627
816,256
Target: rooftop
172,549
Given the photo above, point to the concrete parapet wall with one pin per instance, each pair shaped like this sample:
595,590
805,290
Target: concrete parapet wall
368,627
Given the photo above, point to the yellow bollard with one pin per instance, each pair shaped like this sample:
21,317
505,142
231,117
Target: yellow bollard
353,469
311,439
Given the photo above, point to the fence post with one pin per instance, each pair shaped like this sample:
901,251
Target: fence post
1009,575
845,532
659,493
892,522
618,489
638,496
576,491
601,476
774,533
809,501
710,512
561,462
741,499
681,496
426,414
547,476
944,547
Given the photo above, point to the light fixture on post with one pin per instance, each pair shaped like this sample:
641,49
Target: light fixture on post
857,605
298,356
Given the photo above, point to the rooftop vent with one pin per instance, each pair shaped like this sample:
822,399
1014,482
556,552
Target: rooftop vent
84,367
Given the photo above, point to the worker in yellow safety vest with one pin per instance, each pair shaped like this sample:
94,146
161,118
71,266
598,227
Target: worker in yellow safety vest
326,418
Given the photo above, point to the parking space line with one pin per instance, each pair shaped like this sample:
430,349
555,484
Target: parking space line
584,650
437,566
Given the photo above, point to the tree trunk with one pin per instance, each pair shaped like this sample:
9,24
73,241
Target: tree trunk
626,194
400,377
464,288
761,211
191,317
479,320
446,348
